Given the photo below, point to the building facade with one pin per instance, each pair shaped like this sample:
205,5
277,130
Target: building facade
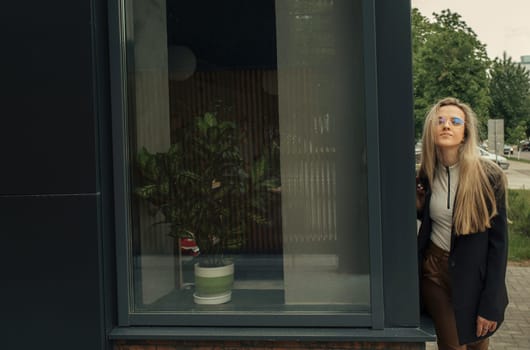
525,62
143,137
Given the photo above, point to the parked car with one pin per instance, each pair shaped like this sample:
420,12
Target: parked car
524,146
508,150
500,160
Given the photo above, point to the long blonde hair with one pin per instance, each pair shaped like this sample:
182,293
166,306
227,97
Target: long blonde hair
475,202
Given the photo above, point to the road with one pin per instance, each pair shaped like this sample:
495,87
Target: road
522,155
518,173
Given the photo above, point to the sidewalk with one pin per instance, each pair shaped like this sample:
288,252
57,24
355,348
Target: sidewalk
514,333
518,175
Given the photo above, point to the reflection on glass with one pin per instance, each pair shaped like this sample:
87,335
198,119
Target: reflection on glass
275,176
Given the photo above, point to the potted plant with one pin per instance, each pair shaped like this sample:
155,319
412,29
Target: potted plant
205,191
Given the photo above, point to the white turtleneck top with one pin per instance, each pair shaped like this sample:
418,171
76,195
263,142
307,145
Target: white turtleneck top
442,203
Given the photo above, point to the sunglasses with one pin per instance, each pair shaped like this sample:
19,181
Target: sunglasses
454,121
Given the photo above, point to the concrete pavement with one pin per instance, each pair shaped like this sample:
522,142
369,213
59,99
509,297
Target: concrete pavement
514,333
518,174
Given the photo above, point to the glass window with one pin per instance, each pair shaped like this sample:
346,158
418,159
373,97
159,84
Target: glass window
248,162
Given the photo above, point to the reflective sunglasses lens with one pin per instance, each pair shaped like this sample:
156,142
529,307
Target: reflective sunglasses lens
457,121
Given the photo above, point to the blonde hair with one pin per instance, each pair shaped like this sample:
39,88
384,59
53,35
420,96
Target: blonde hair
475,202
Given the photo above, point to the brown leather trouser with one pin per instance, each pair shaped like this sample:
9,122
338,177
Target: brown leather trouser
436,294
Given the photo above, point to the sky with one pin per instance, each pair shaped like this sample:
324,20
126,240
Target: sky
501,25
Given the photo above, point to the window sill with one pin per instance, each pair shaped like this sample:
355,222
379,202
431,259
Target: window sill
419,334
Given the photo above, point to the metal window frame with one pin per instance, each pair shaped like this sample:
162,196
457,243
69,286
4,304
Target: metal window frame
119,87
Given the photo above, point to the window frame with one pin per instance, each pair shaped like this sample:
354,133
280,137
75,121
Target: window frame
119,63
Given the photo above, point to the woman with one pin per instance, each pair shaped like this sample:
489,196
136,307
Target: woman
462,240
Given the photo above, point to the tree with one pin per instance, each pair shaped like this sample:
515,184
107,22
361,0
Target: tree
421,30
518,133
448,60
510,96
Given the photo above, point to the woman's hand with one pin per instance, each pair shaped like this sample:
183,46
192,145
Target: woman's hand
420,195
484,326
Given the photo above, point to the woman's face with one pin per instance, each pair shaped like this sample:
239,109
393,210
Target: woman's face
449,127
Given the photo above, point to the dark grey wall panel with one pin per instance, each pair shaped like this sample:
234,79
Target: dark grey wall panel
47,113
50,273
52,280
397,162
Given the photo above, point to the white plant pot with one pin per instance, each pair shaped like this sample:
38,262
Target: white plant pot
213,285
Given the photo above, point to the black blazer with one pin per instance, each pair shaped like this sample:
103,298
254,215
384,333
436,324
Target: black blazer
477,267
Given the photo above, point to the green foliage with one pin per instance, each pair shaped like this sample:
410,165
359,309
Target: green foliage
421,31
518,133
519,212
448,60
519,247
510,95
204,189
519,224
